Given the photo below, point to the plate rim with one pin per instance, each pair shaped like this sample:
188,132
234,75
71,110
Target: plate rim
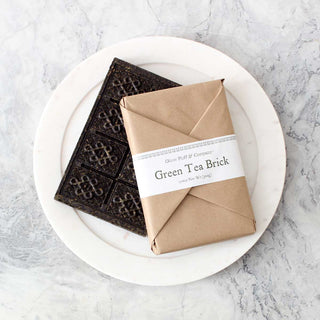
70,241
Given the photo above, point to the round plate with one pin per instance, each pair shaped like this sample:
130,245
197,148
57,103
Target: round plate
120,253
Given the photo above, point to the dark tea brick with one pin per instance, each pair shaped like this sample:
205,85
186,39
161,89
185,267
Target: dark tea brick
100,178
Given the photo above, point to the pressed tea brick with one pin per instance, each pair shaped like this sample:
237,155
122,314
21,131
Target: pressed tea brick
100,178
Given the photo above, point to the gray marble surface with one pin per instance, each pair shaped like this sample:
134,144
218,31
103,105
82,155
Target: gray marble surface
277,41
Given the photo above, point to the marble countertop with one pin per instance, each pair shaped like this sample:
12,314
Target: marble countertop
277,41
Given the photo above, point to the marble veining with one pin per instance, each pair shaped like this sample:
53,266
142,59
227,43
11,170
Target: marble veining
277,41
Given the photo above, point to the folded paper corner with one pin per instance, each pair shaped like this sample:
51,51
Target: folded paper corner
154,248
254,222
122,102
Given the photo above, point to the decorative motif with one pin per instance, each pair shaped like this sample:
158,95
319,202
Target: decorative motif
100,153
86,187
127,86
113,120
128,205
130,165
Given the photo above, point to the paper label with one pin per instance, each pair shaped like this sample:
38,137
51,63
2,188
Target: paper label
187,165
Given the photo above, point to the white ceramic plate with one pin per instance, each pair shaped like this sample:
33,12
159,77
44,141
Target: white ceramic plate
120,253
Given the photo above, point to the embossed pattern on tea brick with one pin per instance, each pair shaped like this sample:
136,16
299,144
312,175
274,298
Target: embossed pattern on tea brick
100,177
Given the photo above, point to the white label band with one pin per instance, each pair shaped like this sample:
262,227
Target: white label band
187,165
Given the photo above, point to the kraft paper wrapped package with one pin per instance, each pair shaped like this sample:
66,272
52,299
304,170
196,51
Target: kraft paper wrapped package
188,166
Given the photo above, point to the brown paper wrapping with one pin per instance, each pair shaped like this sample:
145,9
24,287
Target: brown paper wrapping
198,215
